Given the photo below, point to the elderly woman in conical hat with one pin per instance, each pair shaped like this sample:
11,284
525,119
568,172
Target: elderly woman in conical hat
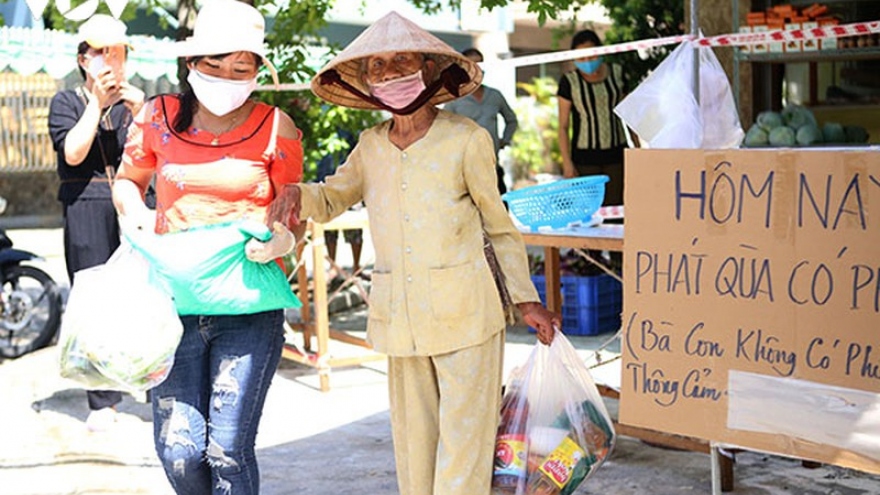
427,177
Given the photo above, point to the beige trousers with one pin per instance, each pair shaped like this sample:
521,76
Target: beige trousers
444,414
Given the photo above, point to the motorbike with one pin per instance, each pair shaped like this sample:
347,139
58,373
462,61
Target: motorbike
30,301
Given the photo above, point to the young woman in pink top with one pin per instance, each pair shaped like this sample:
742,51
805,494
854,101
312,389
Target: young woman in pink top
217,157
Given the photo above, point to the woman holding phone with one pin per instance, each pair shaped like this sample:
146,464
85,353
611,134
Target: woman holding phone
88,126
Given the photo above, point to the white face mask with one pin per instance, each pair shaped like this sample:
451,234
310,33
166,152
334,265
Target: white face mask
95,66
220,96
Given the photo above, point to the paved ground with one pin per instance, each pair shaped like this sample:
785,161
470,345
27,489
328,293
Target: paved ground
312,442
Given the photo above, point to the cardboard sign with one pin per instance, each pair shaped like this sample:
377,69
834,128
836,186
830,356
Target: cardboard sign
752,300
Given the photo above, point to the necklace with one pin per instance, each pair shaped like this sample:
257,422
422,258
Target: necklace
213,130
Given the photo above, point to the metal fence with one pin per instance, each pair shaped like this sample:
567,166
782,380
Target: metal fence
24,117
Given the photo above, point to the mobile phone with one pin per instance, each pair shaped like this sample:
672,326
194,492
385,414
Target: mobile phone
114,57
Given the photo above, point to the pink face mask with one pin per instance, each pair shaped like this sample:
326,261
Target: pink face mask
400,92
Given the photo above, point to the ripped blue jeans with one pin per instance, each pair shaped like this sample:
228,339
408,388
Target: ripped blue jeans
206,413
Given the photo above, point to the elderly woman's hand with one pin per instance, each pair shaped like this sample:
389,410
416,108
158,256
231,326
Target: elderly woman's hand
285,207
541,319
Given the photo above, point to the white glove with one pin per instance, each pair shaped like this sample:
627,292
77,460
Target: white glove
139,220
281,243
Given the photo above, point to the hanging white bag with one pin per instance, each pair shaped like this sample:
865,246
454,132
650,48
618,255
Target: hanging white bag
663,110
721,125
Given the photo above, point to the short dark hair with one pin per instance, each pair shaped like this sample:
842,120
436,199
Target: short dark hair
81,49
585,36
473,51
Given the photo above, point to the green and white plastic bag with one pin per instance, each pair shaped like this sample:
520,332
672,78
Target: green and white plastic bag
207,272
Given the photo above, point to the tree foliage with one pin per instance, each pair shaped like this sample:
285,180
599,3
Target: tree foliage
633,20
535,148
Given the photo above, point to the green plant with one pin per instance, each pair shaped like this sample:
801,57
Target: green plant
640,20
535,147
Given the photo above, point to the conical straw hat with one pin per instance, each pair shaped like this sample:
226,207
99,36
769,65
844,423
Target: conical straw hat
391,34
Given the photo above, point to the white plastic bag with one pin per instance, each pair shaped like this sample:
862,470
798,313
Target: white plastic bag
555,431
664,111
721,125
119,331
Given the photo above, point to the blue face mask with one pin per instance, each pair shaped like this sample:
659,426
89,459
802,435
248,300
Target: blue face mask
589,66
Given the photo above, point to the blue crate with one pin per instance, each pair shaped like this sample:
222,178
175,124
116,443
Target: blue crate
541,286
590,305
595,290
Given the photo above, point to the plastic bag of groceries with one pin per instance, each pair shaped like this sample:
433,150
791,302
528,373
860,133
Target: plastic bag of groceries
663,110
119,331
554,431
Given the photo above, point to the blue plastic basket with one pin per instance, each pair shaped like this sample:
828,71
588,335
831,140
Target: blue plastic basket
557,204
590,305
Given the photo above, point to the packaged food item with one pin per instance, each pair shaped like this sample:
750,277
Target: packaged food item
756,18
555,472
745,30
814,11
542,441
829,43
810,44
775,24
794,45
760,47
511,441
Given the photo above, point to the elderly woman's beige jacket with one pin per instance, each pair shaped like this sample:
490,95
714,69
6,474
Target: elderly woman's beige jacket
428,207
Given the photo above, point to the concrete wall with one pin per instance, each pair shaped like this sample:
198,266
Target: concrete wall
30,199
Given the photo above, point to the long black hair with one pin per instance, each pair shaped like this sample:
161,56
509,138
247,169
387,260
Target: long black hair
188,104
187,110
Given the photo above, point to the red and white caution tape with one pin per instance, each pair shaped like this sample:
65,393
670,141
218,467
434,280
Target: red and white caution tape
610,212
286,87
841,31
544,58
